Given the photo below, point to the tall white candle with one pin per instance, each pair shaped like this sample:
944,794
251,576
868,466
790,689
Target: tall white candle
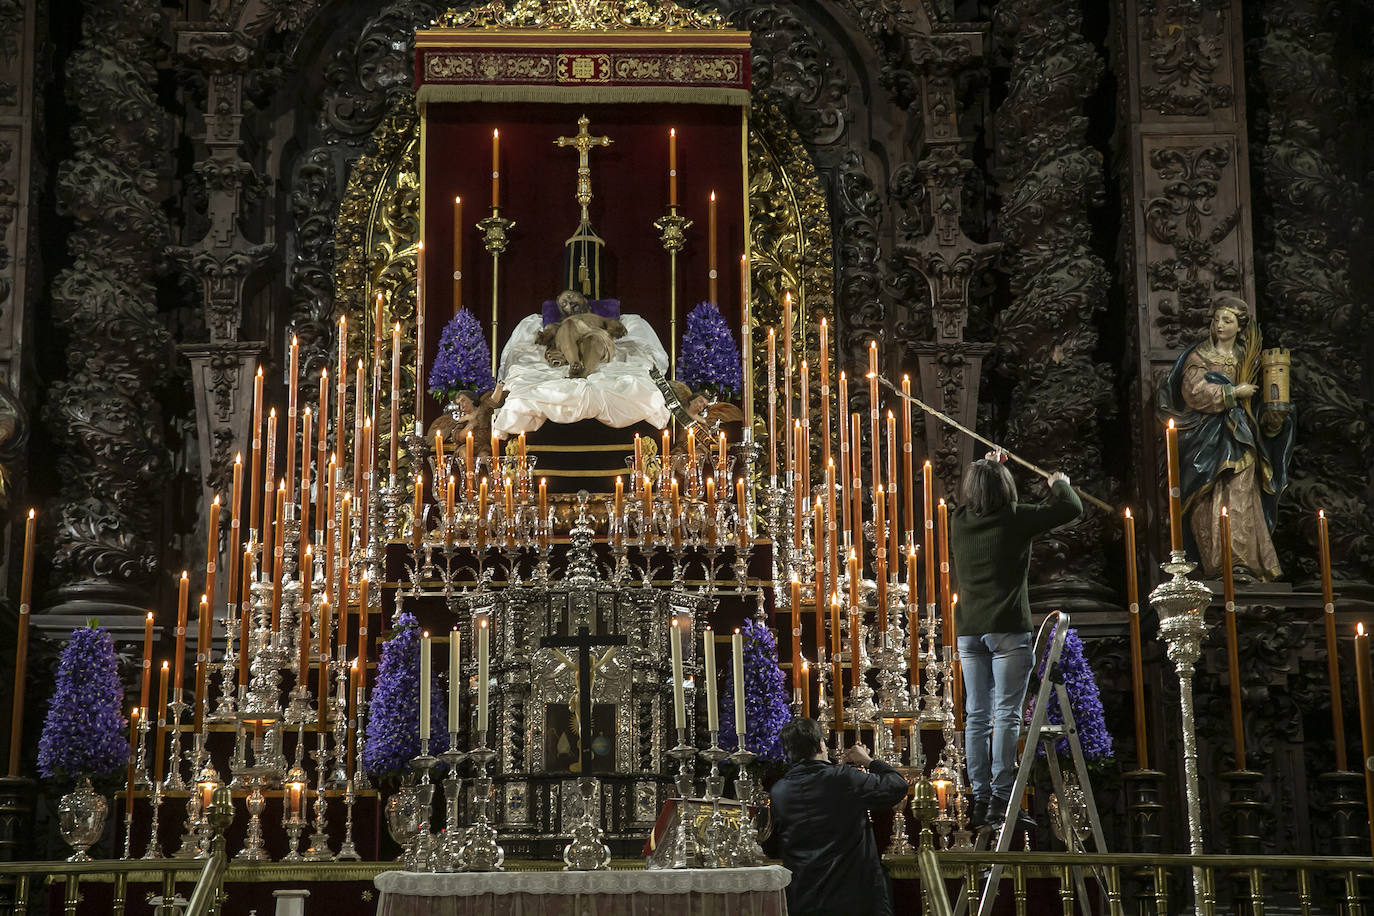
455,677
424,686
679,702
483,635
737,644
708,650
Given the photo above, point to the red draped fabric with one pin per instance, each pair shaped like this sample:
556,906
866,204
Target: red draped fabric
538,182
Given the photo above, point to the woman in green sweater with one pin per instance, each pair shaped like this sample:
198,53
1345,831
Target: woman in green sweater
991,534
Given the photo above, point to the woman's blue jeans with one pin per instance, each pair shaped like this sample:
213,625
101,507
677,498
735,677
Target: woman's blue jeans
996,669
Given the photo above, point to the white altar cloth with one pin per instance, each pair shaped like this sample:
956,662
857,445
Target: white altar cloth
619,393
682,892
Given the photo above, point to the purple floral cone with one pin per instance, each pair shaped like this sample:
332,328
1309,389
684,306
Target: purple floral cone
766,706
393,722
463,362
710,359
1084,700
83,732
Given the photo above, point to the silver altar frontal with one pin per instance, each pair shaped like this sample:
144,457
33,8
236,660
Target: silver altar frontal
547,634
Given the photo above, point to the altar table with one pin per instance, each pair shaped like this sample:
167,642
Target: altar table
687,892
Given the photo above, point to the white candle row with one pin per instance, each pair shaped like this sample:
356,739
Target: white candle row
455,678
675,638
483,636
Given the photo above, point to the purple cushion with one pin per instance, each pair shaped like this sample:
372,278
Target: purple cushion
606,308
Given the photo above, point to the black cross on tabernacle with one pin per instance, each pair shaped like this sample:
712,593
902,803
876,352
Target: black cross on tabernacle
584,642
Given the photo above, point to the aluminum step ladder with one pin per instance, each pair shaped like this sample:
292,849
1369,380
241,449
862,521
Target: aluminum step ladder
1041,733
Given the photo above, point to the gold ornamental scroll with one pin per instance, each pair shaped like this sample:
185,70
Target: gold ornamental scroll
582,51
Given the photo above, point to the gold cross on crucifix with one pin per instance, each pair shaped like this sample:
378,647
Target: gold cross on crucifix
583,143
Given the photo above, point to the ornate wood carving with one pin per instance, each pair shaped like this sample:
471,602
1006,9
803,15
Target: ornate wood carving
1189,51
1186,193
945,257
1309,302
104,416
366,83
1061,399
224,259
20,263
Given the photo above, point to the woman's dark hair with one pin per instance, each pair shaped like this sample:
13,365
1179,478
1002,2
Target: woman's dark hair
988,487
801,739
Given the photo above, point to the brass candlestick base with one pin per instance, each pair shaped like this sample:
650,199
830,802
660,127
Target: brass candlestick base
495,231
672,230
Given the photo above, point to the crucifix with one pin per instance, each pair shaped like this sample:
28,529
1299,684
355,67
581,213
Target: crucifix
584,642
583,143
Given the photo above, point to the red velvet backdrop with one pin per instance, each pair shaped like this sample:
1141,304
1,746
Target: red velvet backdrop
538,181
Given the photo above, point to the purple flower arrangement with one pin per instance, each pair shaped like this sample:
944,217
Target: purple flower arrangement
766,706
83,733
464,360
393,721
710,359
1084,700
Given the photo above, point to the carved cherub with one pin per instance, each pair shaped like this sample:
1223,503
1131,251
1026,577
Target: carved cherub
703,409
581,339
471,411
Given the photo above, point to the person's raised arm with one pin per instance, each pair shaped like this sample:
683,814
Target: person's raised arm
1062,506
881,786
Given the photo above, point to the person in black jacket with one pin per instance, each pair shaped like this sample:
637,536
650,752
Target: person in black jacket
820,815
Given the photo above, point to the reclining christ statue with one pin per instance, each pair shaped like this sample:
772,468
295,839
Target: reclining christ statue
581,339
583,366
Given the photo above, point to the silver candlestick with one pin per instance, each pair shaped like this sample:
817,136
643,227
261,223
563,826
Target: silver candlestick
128,833
347,851
191,833
420,851
338,776
588,850
227,707
359,737
253,849
319,851
154,850
450,854
238,764
480,849
900,845
717,846
141,779
745,851
686,853
207,782
292,814
1179,602
390,498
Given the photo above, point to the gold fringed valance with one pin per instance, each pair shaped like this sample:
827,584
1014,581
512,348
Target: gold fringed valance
582,96
467,65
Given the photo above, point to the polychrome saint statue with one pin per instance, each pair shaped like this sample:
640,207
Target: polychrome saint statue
1234,447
